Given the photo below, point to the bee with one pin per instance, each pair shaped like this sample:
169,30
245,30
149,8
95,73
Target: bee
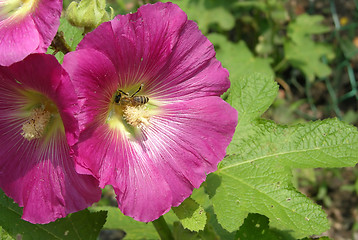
124,98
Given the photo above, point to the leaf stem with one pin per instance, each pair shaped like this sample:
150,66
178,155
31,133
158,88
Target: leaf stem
162,228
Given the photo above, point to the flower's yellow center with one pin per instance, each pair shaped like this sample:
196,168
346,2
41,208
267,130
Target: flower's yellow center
129,115
15,10
42,117
137,115
35,127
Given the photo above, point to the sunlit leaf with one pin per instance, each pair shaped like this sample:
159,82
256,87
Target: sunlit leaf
191,215
256,176
238,59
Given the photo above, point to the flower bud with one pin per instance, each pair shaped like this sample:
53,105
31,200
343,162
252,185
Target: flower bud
88,13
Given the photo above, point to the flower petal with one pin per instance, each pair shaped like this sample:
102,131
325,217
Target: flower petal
47,20
159,47
31,34
95,81
13,47
40,174
160,169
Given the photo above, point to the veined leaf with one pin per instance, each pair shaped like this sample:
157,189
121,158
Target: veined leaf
257,178
252,95
256,175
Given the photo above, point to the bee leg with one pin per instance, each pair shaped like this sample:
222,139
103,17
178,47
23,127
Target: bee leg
123,92
140,88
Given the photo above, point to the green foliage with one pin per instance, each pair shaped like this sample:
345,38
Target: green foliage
79,225
251,95
67,39
4,235
256,176
238,59
133,229
206,12
304,53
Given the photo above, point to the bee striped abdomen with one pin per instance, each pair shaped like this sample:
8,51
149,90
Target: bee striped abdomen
140,100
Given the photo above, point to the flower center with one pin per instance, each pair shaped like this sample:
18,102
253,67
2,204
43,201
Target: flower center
35,127
43,118
129,112
136,115
15,9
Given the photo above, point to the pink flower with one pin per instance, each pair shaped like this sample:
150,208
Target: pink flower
27,27
156,145
37,111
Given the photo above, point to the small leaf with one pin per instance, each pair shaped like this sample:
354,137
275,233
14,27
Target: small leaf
191,215
180,233
306,25
79,225
238,59
302,52
306,56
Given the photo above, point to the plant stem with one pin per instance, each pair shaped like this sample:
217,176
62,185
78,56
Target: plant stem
163,229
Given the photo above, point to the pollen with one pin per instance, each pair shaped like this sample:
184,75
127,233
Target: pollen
137,116
35,126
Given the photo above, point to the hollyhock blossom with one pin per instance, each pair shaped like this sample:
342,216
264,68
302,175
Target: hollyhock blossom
27,27
152,122
37,108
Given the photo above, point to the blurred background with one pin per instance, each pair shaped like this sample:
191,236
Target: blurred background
311,49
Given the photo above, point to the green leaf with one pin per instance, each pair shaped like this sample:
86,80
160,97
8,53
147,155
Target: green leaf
251,95
80,225
306,25
206,12
257,227
4,235
257,178
191,215
302,52
238,59
306,56
133,229
73,35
